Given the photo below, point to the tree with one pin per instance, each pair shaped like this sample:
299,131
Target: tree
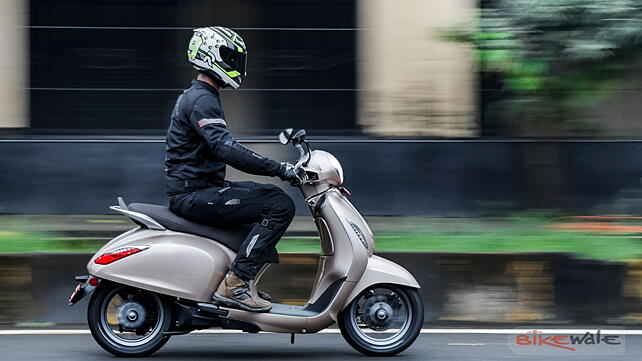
556,57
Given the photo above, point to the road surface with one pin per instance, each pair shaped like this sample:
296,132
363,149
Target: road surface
45,345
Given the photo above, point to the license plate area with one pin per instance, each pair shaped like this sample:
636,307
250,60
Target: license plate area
75,295
86,285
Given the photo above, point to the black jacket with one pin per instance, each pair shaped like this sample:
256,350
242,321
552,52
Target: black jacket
199,145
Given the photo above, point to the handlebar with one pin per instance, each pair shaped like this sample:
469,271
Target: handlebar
302,174
303,152
298,141
301,144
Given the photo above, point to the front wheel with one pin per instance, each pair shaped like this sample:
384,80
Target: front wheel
383,320
127,321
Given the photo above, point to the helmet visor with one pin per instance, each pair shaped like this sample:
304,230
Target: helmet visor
234,59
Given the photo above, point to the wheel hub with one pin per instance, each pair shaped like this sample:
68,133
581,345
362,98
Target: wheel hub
131,315
378,313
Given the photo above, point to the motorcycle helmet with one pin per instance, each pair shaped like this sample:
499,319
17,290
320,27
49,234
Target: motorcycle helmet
219,53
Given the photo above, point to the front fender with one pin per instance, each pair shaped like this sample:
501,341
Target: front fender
380,271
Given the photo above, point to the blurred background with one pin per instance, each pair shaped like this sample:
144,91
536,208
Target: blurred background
468,130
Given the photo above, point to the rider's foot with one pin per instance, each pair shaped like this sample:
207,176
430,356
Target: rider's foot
236,293
264,295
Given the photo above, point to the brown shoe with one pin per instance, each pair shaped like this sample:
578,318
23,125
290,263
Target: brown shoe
263,295
236,293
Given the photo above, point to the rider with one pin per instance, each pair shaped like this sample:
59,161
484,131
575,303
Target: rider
199,145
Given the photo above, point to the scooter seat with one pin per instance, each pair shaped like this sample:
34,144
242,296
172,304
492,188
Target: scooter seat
231,237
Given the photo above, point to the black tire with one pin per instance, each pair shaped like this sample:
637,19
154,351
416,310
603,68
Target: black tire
350,332
96,319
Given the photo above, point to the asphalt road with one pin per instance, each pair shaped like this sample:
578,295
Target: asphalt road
460,347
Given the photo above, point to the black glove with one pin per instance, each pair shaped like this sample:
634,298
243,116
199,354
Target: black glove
288,174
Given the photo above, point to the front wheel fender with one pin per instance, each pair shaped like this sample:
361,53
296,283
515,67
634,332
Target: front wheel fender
382,271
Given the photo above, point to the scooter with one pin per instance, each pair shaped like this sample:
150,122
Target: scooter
157,280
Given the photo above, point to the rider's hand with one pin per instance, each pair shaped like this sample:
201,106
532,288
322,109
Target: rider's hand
288,174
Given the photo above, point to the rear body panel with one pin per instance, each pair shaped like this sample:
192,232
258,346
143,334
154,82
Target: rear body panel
176,264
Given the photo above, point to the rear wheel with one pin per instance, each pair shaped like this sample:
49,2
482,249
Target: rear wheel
127,321
383,320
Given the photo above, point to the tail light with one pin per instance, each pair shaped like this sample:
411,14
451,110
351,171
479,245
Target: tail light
115,255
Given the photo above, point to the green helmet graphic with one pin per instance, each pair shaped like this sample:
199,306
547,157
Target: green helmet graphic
220,53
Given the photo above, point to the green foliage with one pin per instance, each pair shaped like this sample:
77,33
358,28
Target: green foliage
581,244
26,242
527,232
555,50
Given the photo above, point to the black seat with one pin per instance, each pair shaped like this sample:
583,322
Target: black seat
232,236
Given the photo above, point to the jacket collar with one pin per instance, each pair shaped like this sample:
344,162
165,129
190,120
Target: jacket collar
201,84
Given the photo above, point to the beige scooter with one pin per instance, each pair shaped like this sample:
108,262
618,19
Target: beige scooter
157,280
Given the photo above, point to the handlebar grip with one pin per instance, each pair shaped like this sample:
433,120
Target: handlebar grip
302,174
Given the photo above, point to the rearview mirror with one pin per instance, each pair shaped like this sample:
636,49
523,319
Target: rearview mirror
298,137
285,136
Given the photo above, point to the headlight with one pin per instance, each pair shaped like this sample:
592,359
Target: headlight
326,166
334,163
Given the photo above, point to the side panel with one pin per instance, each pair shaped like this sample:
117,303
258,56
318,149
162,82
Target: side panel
175,264
350,256
380,270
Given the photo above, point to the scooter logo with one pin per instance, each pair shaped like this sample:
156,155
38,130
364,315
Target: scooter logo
549,341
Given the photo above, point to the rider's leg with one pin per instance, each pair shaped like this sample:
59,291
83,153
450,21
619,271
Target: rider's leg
242,202
277,215
262,239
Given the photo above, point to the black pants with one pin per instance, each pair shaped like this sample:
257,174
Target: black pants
241,203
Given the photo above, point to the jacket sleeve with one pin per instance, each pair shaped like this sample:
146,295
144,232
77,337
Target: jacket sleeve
206,117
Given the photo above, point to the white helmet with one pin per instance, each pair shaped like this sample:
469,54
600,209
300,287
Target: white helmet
220,53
